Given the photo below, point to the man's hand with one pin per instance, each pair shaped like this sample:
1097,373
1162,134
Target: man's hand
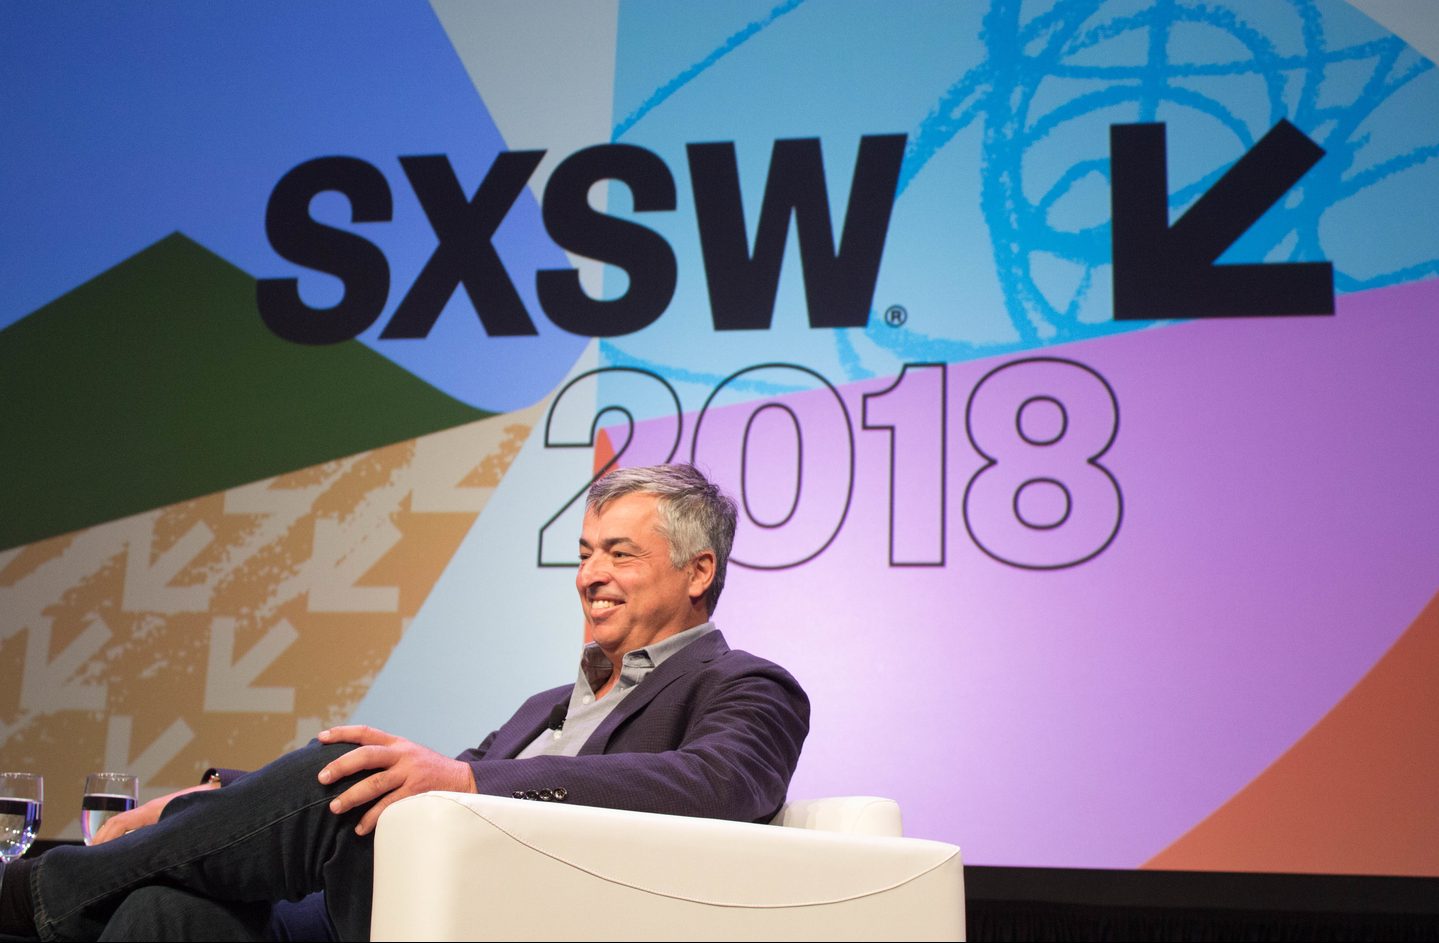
141,816
402,769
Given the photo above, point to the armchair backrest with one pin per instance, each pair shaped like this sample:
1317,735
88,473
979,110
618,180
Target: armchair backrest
855,815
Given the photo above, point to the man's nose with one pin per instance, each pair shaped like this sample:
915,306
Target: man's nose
593,571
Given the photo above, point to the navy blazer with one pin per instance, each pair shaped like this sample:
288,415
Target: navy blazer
712,732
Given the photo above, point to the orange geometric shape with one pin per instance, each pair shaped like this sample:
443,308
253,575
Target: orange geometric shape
1357,794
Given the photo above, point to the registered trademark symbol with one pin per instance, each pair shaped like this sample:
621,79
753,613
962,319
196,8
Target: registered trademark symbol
895,315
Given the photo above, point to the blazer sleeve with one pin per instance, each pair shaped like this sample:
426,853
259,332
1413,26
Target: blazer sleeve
722,742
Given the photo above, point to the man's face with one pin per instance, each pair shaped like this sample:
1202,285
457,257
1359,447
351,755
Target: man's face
631,593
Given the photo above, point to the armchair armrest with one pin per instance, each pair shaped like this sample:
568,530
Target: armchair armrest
459,866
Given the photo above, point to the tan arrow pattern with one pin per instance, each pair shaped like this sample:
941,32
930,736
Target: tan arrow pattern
226,629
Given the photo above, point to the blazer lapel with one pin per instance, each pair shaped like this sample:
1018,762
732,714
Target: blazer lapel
522,729
696,654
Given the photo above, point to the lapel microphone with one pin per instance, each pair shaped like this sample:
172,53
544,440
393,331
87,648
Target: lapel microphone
557,717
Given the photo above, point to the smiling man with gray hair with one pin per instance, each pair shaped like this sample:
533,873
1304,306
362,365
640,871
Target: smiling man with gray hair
663,717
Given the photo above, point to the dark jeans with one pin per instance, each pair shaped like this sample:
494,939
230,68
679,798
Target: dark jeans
217,862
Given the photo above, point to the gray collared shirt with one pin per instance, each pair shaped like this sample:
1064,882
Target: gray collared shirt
586,712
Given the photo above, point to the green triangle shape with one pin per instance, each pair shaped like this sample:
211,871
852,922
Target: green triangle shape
157,382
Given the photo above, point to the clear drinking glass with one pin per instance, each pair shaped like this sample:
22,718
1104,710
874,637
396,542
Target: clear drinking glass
21,795
106,796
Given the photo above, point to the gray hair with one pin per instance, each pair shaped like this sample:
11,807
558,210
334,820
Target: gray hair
695,515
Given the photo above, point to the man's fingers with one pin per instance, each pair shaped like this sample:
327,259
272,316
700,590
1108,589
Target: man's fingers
401,769
366,790
114,827
120,824
355,733
372,815
357,760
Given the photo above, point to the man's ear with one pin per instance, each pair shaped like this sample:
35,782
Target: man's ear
702,574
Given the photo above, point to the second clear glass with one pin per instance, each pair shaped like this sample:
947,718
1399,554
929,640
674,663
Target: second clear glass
106,796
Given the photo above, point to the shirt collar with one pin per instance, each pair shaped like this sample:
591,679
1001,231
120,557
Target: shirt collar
596,667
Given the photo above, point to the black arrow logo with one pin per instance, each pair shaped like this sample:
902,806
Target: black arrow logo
1163,271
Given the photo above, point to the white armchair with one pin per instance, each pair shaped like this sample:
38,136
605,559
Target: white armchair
453,866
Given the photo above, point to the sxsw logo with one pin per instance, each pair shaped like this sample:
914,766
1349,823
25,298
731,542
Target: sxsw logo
742,280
